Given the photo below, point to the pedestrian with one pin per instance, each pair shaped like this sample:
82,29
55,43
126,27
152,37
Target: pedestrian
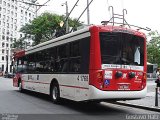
158,79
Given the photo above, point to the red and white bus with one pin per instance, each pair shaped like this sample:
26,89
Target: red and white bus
95,63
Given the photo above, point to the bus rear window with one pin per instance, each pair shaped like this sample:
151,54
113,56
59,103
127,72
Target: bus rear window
121,48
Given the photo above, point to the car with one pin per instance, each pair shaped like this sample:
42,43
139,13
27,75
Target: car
8,75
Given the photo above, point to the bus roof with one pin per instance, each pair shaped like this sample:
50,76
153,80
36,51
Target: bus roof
86,29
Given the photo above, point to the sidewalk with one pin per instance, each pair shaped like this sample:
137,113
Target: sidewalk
146,103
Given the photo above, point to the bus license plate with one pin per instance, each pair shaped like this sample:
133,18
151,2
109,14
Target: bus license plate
123,87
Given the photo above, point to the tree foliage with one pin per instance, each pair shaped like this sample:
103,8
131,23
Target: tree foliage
19,44
46,27
153,48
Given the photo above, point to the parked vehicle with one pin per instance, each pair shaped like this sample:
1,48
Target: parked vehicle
9,75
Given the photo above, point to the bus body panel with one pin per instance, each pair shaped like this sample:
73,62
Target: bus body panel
75,87
92,86
97,72
96,94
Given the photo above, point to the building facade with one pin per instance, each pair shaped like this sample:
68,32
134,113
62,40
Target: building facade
13,15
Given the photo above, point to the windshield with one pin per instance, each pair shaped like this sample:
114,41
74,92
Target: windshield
121,48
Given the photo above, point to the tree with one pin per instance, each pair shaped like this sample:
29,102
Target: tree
153,48
19,44
46,26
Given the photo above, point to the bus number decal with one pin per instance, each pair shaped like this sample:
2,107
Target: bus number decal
82,77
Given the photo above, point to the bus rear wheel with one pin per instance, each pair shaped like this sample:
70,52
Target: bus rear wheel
55,94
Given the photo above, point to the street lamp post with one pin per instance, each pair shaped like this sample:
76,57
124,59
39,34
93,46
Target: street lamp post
67,25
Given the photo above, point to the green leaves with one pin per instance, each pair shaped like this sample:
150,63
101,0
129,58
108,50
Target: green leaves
153,48
46,26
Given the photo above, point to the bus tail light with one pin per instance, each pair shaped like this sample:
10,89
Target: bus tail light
99,76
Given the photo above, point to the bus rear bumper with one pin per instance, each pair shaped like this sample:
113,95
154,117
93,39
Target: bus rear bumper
96,94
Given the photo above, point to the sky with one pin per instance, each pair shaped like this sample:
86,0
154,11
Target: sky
143,13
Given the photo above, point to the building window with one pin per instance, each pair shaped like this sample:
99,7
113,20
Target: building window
3,38
4,3
15,21
6,44
12,13
15,27
4,10
3,31
8,5
2,57
3,44
7,27
12,7
11,39
8,11
7,52
7,18
2,50
7,38
4,17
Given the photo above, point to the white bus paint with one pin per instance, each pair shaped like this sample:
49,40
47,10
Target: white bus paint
72,86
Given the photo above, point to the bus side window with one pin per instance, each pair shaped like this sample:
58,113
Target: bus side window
65,66
75,65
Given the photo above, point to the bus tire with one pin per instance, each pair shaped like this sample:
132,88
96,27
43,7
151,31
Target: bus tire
55,93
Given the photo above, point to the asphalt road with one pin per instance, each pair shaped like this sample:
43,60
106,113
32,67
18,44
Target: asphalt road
34,106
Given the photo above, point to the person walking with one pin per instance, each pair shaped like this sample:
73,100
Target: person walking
158,79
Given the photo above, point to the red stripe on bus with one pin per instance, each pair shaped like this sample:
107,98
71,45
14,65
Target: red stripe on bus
74,86
37,82
60,85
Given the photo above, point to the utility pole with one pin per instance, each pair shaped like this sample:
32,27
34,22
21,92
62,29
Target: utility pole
88,14
67,13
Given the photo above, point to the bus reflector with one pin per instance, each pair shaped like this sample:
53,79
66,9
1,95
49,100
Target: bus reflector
144,80
144,76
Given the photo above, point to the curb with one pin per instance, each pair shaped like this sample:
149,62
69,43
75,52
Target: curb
157,109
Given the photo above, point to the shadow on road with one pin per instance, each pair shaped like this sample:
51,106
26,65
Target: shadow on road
87,108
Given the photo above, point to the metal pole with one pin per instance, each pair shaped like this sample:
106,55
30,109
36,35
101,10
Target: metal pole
82,14
88,14
156,96
67,26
